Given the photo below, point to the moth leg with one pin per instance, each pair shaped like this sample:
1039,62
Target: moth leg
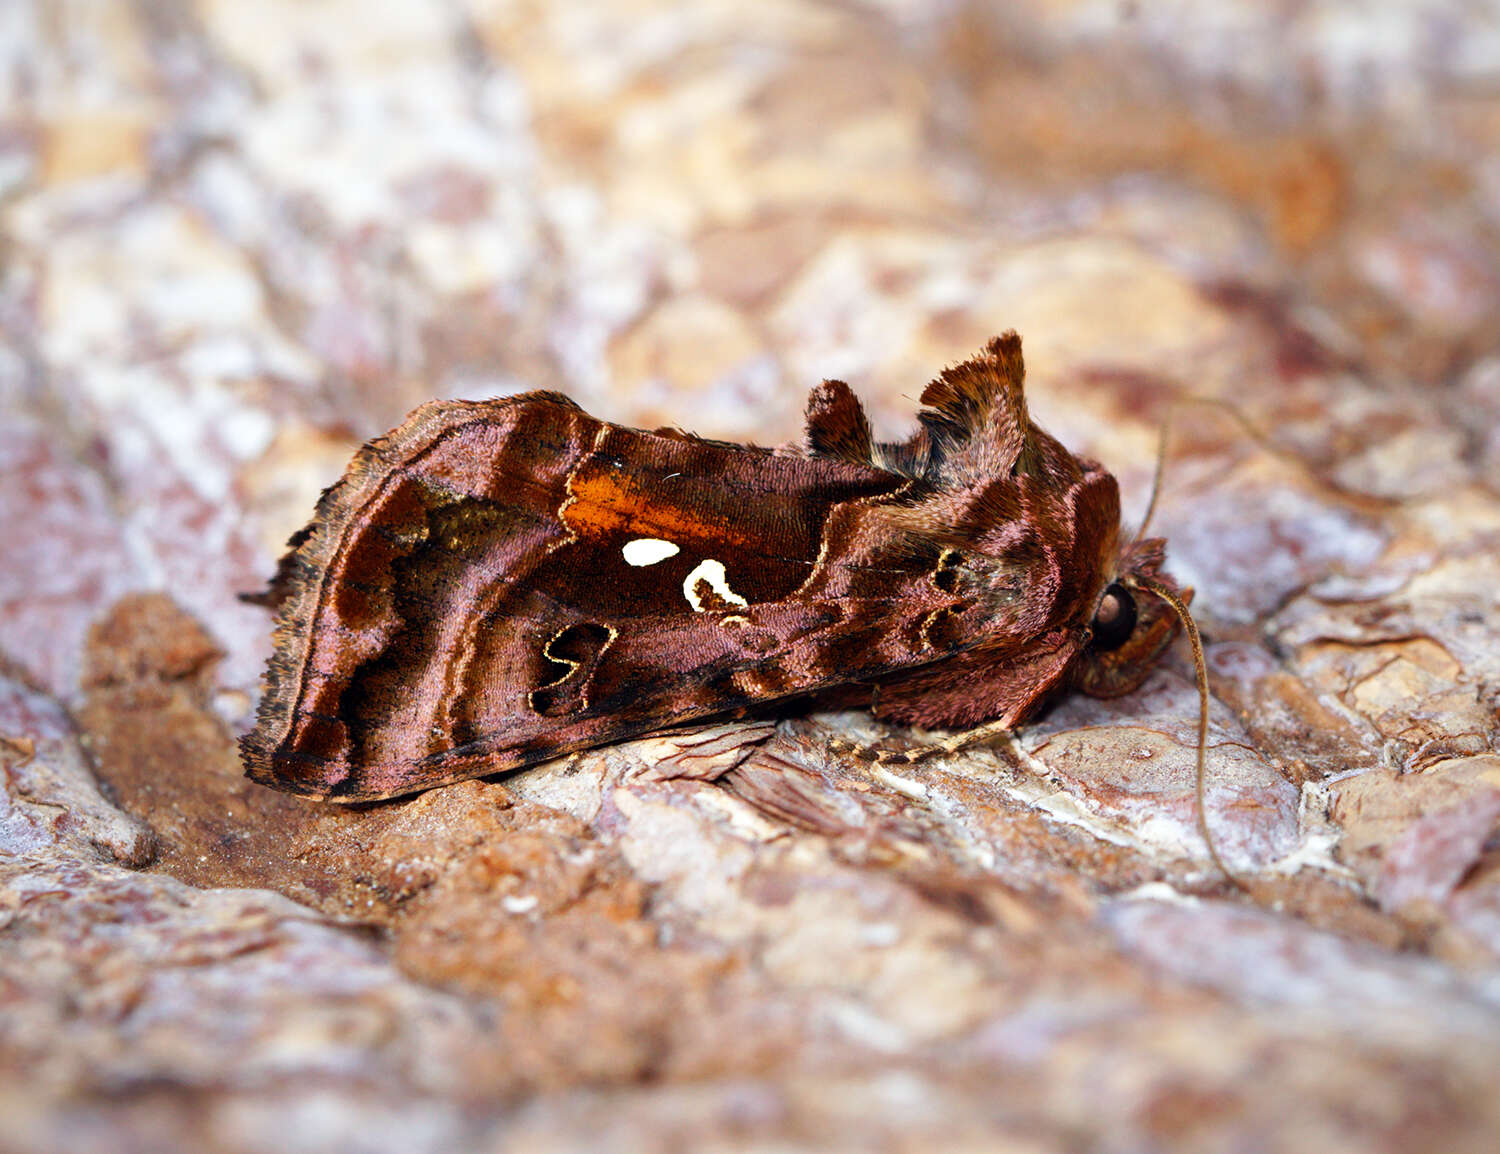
873,753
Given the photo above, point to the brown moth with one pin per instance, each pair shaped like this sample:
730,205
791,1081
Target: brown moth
495,584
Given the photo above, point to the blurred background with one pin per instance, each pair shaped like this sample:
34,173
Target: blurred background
239,237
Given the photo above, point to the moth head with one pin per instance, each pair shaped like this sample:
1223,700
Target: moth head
1132,623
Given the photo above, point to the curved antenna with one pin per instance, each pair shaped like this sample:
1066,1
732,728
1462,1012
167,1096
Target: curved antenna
1262,440
1161,462
1200,669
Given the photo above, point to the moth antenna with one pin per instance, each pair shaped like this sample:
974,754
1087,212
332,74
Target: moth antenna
1156,476
1261,439
1200,670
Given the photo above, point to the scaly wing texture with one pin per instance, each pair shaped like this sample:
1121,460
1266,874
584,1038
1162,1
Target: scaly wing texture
1030,530
469,598
497,583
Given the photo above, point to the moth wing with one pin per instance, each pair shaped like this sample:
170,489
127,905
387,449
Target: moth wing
495,584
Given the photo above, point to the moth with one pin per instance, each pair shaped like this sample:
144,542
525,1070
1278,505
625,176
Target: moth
495,584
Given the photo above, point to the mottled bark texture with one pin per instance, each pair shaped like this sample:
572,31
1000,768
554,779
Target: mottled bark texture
237,239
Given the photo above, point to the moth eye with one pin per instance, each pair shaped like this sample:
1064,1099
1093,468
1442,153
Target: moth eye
1115,620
